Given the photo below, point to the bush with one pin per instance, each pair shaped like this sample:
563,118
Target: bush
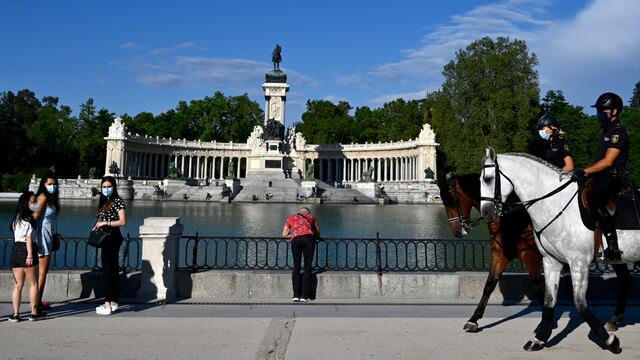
15,182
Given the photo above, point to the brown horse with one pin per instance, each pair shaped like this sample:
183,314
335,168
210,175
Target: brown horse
511,237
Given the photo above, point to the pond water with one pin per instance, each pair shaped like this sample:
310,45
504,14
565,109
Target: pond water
263,219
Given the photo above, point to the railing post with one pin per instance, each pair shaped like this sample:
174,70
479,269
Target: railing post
378,255
194,265
160,243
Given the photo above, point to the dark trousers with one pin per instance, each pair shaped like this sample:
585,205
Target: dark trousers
302,246
606,188
110,267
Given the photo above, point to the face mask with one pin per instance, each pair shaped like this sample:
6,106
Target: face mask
107,191
33,207
51,189
543,134
603,116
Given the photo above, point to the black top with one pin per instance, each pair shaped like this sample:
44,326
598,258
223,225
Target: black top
615,136
111,214
556,149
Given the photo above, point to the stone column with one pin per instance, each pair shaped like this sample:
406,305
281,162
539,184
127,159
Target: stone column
206,168
182,166
238,167
160,239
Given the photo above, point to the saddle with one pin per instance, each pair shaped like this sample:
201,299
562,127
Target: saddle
624,207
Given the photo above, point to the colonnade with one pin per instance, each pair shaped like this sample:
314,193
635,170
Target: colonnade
388,169
149,165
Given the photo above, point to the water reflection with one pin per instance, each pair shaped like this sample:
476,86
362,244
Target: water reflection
251,219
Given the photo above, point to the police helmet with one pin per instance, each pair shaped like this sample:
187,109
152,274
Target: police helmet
608,100
546,120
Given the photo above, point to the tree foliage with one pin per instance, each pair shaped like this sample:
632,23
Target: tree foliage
490,97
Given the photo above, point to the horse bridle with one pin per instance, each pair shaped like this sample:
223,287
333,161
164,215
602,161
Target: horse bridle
513,206
463,223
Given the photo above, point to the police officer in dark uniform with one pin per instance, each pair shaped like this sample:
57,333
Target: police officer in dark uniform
610,170
556,148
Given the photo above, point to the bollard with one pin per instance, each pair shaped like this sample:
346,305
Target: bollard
160,240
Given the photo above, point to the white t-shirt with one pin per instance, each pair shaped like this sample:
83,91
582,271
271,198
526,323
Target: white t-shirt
21,230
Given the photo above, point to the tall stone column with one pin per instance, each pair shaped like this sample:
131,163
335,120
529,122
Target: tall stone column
116,146
160,240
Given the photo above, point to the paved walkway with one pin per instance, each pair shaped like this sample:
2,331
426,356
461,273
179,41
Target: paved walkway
303,331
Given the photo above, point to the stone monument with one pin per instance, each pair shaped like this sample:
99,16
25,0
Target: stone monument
268,141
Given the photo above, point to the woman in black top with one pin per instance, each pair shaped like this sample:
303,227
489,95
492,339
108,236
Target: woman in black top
111,216
556,148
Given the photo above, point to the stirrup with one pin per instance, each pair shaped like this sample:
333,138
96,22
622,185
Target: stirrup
611,256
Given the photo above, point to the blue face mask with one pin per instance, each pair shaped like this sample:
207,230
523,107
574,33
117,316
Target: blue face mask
543,134
603,116
51,189
107,191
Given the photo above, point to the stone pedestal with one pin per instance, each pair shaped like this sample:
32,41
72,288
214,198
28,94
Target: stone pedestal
367,189
160,238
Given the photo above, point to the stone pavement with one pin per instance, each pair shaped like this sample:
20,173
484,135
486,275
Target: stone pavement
320,330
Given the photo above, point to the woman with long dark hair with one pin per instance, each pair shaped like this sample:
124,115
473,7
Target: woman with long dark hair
24,257
46,216
111,217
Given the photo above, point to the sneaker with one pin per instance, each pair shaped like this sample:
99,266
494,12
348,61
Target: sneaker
35,317
114,307
295,299
14,318
304,300
101,310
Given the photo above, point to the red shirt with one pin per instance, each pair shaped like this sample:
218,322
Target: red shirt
301,225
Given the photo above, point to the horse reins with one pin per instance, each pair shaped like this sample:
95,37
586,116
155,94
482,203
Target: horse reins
463,223
513,206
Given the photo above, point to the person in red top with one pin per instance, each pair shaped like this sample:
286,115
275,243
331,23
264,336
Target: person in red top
302,229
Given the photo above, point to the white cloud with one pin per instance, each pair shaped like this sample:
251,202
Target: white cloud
129,45
414,95
597,50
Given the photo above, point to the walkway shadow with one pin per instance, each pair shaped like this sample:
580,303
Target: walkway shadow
533,307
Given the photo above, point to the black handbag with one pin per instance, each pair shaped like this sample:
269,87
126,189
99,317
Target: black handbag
97,237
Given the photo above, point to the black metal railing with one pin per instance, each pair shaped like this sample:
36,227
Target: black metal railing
75,254
334,254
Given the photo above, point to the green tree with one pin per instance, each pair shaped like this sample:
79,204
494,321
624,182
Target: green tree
327,123
634,102
93,128
491,89
630,118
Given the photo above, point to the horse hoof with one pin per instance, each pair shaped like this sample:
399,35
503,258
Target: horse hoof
534,345
470,327
614,346
611,326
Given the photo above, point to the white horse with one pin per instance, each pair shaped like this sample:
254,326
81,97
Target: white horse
560,233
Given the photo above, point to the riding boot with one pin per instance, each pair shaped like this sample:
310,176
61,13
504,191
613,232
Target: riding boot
612,252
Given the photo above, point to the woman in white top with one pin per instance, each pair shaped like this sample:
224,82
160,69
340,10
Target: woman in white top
24,259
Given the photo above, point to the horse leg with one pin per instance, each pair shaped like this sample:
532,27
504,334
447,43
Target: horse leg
545,327
624,284
532,261
498,264
580,281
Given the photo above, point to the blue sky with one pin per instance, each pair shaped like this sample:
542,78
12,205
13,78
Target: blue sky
138,56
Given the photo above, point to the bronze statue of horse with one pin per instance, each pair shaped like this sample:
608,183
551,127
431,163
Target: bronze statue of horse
511,237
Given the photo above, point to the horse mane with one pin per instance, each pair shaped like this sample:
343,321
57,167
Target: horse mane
536,159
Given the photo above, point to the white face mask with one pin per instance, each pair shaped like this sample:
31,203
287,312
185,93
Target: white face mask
543,134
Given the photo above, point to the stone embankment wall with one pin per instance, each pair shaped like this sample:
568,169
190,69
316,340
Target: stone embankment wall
409,192
238,286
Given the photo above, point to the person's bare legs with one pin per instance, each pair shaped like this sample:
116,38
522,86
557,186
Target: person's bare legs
32,277
16,296
43,269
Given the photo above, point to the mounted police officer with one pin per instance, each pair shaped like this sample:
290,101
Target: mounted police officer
556,149
610,170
